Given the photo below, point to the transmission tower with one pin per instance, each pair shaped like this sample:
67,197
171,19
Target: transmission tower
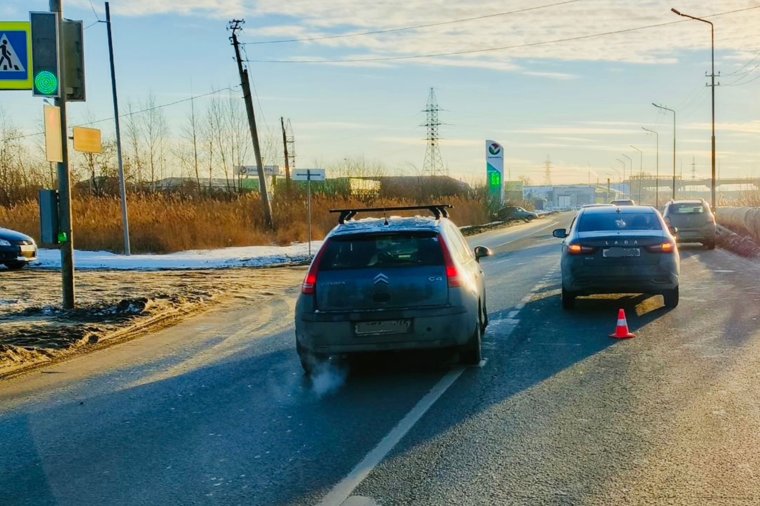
289,146
548,172
433,165
289,155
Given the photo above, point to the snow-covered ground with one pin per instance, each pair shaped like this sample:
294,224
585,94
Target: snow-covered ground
250,256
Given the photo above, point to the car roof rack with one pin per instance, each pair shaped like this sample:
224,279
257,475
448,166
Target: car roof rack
438,210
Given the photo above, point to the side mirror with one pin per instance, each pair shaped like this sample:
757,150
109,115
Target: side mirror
559,233
673,230
482,251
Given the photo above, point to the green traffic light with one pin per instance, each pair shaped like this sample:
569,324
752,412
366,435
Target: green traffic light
46,83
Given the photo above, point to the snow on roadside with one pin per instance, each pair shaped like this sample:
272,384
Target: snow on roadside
249,256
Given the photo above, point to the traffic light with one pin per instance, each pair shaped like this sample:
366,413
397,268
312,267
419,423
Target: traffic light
46,72
73,48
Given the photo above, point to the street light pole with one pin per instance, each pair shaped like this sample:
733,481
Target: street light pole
630,160
657,170
641,168
712,85
674,144
623,162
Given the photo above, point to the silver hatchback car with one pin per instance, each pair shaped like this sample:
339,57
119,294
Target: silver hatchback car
397,283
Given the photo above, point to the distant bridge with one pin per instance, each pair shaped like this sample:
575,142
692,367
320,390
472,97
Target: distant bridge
649,183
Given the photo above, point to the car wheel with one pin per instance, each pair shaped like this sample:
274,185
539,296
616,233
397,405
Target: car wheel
568,299
14,266
484,319
310,361
670,297
470,354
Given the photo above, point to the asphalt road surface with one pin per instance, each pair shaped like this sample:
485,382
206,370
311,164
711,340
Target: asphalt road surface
216,410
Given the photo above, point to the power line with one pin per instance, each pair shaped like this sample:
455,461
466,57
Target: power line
498,48
132,113
413,27
750,62
94,12
737,83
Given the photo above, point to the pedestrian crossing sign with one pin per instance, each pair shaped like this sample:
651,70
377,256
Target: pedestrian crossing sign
15,55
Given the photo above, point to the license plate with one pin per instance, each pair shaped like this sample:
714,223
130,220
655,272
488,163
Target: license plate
383,327
621,252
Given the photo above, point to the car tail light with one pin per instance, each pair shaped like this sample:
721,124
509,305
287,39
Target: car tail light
452,274
579,249
309,285
666,247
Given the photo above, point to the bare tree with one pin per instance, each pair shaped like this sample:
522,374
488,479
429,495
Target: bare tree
228,133
134,165
155,130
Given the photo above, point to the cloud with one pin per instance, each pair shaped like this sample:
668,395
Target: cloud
444,142
572,131
521,36
204,8
750,127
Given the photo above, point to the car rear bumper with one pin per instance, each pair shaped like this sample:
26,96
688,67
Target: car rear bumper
336,333
649,280
696,234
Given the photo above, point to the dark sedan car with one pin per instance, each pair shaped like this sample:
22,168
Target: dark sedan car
16,249
515,213
626,249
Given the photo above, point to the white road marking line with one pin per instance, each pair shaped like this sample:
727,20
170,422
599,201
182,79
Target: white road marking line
340,495
343,489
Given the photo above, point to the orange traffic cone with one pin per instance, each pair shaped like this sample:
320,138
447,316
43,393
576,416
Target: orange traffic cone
621,331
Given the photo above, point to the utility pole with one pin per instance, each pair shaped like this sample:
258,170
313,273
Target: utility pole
122,182
234,26
66,234
285,143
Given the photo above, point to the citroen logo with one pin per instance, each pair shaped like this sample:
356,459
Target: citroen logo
380,278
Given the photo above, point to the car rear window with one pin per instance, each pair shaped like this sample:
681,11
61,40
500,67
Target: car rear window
604,222
687,209
382,250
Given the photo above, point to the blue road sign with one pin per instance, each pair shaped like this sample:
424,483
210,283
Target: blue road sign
15,55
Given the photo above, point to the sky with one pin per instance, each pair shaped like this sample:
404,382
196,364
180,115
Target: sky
567,82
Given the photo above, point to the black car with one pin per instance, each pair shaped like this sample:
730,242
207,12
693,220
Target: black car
515,213
16,249
619,249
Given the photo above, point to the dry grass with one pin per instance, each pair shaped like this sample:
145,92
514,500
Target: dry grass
163,224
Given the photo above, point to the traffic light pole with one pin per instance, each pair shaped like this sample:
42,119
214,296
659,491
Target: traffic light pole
66,235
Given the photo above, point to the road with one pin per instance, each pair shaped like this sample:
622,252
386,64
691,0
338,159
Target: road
216,410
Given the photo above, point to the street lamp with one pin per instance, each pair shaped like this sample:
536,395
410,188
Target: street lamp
657,173
712,85
622,179
674,144
641,168
630,161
